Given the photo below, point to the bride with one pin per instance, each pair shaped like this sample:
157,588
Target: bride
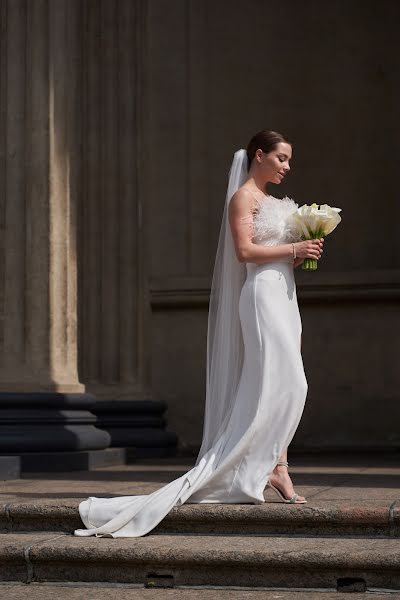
256,386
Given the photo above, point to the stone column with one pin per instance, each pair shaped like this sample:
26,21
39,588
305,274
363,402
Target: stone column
114,300
43,405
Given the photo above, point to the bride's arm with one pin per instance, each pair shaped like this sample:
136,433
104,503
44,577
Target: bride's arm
241,222
241,208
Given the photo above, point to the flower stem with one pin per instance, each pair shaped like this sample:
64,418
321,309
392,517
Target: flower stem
311,264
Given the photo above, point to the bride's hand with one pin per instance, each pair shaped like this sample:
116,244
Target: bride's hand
309,248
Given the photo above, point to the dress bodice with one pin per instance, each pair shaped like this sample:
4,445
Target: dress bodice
270,223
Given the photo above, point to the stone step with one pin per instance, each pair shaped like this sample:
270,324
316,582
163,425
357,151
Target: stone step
214,560
272,518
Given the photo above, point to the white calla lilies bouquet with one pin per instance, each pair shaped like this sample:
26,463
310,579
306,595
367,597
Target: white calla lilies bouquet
313,222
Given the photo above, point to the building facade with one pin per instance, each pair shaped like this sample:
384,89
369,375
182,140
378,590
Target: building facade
119,120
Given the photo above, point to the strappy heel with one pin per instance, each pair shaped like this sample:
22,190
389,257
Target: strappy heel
293,499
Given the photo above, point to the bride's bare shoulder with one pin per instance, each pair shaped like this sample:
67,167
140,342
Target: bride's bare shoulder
242,194
243,201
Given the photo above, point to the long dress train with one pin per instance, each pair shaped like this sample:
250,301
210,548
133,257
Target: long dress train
267,409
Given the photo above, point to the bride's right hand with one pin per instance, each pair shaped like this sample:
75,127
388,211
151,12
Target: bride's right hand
309,248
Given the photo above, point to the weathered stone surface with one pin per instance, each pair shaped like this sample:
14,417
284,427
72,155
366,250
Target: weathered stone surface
280,518
38,591
395,518
13,548
62,515
209,560
59,515
39,330
71,203
50,501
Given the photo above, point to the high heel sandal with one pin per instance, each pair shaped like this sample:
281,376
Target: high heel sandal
293,499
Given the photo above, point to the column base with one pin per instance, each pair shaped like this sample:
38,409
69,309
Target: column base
57,462
49,422
138,424
10,467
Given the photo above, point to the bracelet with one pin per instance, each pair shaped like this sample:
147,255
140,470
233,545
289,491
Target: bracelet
294,253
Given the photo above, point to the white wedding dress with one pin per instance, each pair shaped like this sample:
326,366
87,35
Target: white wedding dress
267,407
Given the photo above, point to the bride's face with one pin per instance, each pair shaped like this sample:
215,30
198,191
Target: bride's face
275,164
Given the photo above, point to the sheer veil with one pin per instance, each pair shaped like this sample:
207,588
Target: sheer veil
224,336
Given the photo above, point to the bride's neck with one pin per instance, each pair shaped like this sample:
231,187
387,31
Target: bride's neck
255,184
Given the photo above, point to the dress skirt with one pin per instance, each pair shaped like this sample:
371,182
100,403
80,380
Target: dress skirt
267,409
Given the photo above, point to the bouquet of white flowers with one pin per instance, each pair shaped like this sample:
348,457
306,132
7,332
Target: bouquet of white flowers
313,222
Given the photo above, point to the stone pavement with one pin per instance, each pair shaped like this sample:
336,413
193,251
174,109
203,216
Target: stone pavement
67,592
371,479
353,507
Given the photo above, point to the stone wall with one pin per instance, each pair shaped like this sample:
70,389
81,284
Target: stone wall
118,123
326,74
74,306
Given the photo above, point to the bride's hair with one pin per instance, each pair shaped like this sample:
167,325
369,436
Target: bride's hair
266,140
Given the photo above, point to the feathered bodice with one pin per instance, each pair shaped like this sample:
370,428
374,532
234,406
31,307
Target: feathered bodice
270,223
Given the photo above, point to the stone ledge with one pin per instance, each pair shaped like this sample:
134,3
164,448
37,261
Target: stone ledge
202,560
271,518
336,286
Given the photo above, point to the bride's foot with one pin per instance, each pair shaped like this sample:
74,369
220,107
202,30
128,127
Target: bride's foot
280,479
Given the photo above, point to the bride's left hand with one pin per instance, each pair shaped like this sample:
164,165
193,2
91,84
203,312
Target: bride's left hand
299,261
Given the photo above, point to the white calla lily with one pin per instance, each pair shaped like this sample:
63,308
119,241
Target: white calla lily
313,222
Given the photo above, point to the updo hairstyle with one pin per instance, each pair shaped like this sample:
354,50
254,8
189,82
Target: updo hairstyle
266,140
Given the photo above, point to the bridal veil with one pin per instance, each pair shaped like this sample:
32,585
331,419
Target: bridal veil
225,348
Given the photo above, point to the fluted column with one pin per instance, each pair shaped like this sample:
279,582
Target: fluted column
39,342
114,301
114,312
40,160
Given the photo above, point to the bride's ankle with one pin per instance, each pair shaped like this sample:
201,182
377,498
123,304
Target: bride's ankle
280,470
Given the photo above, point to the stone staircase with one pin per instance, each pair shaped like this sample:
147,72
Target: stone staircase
343,545
271,545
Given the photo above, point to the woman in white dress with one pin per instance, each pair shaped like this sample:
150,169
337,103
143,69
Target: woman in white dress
256,386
